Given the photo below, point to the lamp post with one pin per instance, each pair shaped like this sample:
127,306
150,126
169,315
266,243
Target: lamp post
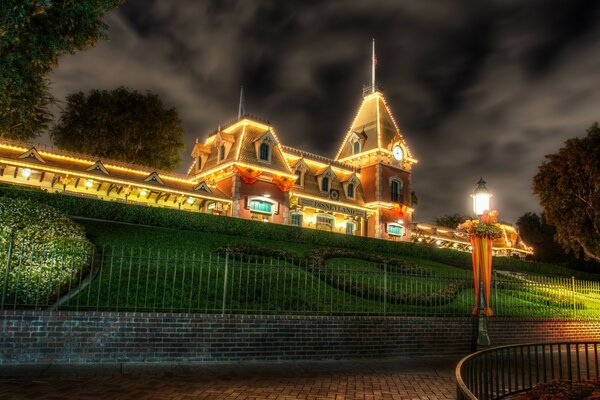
481,204
481,198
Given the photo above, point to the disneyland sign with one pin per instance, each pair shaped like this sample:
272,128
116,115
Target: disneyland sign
321,205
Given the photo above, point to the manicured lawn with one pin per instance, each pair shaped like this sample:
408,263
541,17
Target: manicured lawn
149,268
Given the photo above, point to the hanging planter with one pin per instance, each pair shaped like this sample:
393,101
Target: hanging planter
482,233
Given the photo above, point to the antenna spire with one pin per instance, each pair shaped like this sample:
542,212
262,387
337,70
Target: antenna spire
373,63
241,110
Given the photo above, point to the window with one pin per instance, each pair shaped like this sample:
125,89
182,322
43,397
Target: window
297,219
351,190
261,206
396,230
299,177
356,148
264,152
199,163
222,152
325,184
395,187
350,228
325,222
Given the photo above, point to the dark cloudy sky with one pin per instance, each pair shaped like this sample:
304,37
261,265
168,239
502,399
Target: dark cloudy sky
478,87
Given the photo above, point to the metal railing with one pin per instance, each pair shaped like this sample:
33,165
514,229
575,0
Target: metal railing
148,279
507,370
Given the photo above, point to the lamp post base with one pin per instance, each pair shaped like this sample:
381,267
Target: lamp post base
483,339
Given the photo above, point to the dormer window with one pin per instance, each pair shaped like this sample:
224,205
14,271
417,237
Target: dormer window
265,152
325,184
264,146
357,141
350,184
299,177
198,163
222,152
324,180
351,190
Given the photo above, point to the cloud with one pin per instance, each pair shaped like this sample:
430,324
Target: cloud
478,88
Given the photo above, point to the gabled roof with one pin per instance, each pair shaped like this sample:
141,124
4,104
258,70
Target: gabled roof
154,178
33,155
373,122
98,167
242,135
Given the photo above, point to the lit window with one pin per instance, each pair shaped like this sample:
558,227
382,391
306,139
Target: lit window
261,206
356,148
395,188
297,219
264,152
351,190
325,184
396,230
222,152
350,228
325,221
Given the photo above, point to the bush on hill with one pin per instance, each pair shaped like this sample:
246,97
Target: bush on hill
48,251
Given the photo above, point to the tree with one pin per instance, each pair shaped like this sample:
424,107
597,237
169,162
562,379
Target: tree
536,232
33,35
123,125
568,186
450,221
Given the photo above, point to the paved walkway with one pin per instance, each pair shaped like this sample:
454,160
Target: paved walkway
421,378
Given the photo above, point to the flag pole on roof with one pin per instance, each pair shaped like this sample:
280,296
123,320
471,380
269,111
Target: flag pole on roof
241,106
373,63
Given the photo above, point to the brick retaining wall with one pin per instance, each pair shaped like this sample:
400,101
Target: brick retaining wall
105,337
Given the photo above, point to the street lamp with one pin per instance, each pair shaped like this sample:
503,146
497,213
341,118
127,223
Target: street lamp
481,198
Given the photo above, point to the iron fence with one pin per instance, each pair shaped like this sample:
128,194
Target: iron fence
145,279
507,370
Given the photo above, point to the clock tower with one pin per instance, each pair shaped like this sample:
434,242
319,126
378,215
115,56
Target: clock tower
375,145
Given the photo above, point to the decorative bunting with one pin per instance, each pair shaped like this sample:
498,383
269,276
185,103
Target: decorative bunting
248,175
400,209
284,183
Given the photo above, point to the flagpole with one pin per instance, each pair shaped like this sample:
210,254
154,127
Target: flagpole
373,68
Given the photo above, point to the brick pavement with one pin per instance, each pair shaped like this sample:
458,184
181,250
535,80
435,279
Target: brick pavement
429,379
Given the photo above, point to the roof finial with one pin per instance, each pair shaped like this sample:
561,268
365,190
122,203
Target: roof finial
241,110
373,63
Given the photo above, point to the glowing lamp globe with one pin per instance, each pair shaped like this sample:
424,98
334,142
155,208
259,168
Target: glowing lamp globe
481,198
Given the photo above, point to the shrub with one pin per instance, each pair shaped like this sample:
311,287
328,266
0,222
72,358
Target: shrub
170,218
49,251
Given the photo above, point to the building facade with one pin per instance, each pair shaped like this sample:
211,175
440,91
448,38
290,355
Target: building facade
364,190
243,170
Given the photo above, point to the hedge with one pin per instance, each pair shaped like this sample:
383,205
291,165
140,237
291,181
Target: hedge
170,218
49,251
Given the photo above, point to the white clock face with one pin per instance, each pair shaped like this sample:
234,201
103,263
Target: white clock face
398,153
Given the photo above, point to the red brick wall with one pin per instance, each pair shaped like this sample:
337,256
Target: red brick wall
260,188
104,337
368,176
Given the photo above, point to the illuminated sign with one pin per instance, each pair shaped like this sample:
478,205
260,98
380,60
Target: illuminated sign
321,205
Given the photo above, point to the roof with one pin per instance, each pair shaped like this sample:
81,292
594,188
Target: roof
241,140
40,157
375,125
